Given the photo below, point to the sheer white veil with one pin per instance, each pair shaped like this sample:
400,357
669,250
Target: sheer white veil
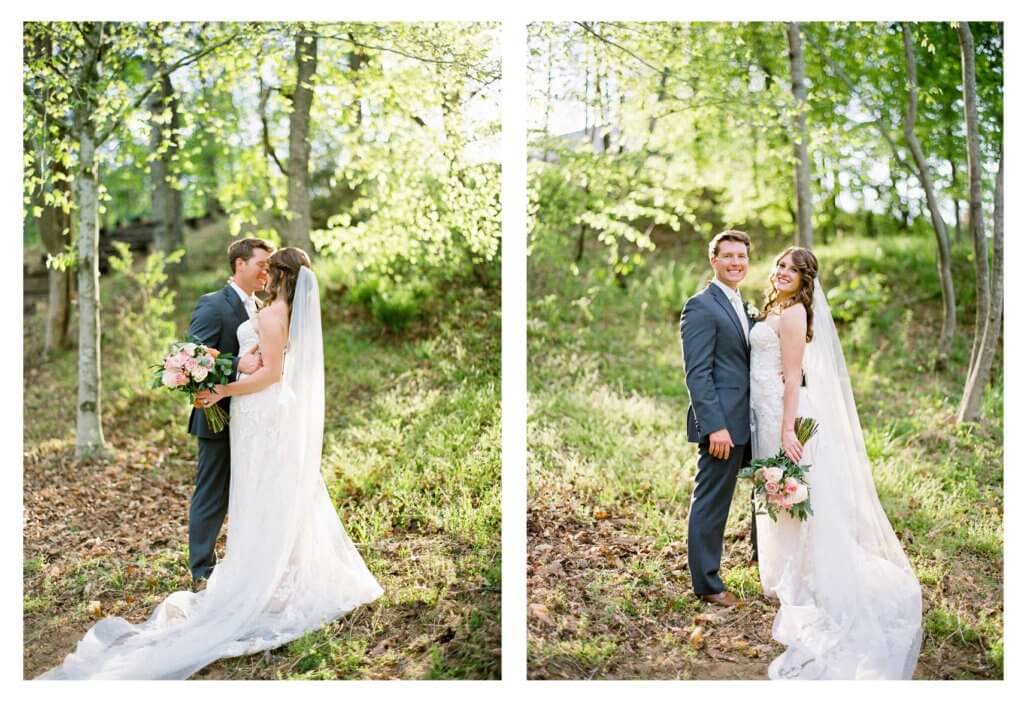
851,605
302,395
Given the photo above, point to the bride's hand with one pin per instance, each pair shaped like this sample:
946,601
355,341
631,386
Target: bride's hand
791,445
207,398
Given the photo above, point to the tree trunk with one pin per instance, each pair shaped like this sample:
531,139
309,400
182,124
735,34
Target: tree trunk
975,217
956,203
297,230
89,436
168,232
970,404
805,232
941,235
987,322
54,230
54,227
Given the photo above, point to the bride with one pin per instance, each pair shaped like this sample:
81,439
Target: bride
849,603
290,567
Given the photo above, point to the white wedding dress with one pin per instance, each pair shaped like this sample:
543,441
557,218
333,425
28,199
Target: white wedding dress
849,603
289,566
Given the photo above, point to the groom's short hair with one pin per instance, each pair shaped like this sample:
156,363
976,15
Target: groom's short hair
728,235
244,248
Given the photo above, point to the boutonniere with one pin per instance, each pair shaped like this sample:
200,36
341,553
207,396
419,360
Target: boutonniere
752,311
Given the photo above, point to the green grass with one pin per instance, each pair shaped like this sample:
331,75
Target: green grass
411,456
610,471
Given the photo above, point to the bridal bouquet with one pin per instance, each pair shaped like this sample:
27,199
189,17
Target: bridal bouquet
779,483
190,367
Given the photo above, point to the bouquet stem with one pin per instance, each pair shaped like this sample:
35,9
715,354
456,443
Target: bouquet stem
216,418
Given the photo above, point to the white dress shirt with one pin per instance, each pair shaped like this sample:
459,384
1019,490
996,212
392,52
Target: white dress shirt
248,301
737,305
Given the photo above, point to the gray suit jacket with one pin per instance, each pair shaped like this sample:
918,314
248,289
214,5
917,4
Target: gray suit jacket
215,322
716,360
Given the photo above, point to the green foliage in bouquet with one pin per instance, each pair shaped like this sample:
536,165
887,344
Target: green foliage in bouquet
779,483
208,367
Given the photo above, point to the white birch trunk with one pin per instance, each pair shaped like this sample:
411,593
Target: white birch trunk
89,436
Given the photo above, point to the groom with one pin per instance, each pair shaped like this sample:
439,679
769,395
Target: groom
715,334
215,323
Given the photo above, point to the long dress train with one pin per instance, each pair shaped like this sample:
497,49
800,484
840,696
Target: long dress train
849,603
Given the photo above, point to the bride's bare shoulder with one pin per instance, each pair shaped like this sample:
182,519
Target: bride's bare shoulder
794,320
275,313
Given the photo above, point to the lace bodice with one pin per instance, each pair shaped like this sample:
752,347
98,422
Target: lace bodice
248,336
765,360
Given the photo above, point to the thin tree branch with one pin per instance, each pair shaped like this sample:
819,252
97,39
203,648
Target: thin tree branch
268,147
184,61
425,59
620,47
879,118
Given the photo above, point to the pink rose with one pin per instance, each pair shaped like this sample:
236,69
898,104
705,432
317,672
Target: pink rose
773,474
191,364
189,349
799,495
181,379
169,378
791,485
771,487
775,499
199,373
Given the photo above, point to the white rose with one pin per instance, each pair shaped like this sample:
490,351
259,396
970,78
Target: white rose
799,495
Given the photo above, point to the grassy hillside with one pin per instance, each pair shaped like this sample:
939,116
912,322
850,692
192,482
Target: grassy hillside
610,471
412,456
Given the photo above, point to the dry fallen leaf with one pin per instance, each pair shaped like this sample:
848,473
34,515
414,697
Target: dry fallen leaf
697,637
601,514
541,611
95,609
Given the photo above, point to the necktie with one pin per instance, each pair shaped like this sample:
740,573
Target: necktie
250,307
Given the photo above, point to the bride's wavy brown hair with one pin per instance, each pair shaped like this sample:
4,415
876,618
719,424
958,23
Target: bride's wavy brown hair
284,273
807,265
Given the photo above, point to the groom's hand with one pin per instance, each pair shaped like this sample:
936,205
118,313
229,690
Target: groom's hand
720,443
250,362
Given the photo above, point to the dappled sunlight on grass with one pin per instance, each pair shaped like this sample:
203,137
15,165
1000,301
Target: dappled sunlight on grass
411,462
610,471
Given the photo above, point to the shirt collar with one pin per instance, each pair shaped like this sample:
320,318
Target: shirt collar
241,294
729,292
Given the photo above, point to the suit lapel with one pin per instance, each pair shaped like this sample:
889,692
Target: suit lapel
724,302
236,303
